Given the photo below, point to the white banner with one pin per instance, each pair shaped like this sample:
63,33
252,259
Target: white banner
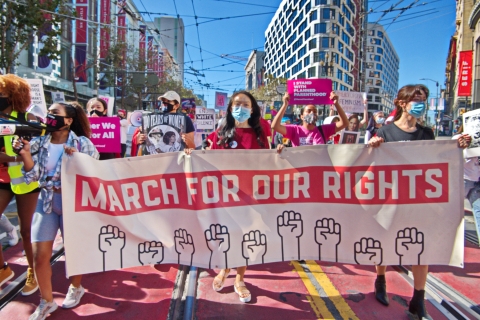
37,94
352,102
471,125
58,96
347,203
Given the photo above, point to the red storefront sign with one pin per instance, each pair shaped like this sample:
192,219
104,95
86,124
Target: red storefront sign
465,62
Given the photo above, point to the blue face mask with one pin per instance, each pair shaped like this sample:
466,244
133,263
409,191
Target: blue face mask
417,109
380,120
241,114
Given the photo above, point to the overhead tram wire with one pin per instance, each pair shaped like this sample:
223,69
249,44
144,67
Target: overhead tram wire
198,33
246,3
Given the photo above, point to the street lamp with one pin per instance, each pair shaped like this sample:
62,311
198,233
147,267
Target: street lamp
437,120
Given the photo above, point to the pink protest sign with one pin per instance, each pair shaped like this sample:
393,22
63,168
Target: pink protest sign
106,134
221,100
310,91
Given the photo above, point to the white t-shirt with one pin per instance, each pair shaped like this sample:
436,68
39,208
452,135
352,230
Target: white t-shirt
471,167
55,152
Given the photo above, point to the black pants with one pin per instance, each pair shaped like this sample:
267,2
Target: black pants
124,150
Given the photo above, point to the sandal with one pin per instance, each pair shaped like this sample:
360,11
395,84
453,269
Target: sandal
242,290
220,279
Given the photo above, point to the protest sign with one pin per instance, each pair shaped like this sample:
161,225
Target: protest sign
389,205
105,134
37,94
471,125
352,102
310,91
164,132
58,96
188,103
110,103
205,118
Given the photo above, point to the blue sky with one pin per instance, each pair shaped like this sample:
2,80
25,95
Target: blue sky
421,39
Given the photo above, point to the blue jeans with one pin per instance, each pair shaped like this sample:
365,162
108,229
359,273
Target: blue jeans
472,193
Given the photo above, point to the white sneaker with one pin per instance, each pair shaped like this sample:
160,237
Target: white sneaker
43,310
73,297
12,237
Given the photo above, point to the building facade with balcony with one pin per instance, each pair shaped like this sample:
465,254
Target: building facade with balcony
381,64
254,70
318,39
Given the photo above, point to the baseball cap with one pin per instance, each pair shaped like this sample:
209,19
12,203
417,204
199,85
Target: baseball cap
170,95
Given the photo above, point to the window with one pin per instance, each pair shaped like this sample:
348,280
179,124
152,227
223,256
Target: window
345,38
328,13
339,74
335,85
348,79
301,76
308,7
311,72
378,58
380,34
336,3
369,98
291,61
376,41
327,42
318,56
370,49
319,2
313,15
307,34
373,90
379,66
336,29
340,47
349,54
344,64
287,75
320,28
302,52
335,57
351,6
379,50
292,38
350,29
297,67
297,44
302,26
287,54
371,32
378,99
378,83
369,82
312,44
306,61
369,65
341,19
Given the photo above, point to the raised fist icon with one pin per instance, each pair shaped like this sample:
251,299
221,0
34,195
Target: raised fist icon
150,252
218,242
254,246
111,242
290,229
409,245
328,236
184,245
368,251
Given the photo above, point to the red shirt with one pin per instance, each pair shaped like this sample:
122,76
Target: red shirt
245,138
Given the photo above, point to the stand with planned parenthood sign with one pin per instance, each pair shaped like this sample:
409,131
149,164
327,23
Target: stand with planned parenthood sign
205,119
338,203
352,102
309,91
105,134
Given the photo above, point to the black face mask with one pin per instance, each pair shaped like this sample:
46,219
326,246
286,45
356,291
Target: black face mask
98,113
168,106
55,122
4,103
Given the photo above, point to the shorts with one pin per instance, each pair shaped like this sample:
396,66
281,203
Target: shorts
8,186
45,225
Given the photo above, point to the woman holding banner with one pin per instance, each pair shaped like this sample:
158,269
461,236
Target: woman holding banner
308,133
241,129
14,101
410,105
42,160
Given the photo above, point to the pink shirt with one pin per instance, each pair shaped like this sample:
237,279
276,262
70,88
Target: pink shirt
304,137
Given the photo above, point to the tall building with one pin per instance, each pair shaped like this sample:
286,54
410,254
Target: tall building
254,70
172,37
381,64
464,39
318,38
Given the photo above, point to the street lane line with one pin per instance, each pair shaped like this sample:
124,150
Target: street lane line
316,302
342,306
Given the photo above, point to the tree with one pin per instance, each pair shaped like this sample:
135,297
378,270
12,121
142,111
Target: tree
22,21
268,92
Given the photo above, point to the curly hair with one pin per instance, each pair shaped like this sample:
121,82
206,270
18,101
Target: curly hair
227,131
17,90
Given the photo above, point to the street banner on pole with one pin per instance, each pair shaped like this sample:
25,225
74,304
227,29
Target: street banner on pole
389,205
309,91
221,100
81,42
104,29
105,133
465,73
352,102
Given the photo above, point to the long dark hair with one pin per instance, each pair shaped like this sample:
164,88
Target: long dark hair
406,94
80,124
226,133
